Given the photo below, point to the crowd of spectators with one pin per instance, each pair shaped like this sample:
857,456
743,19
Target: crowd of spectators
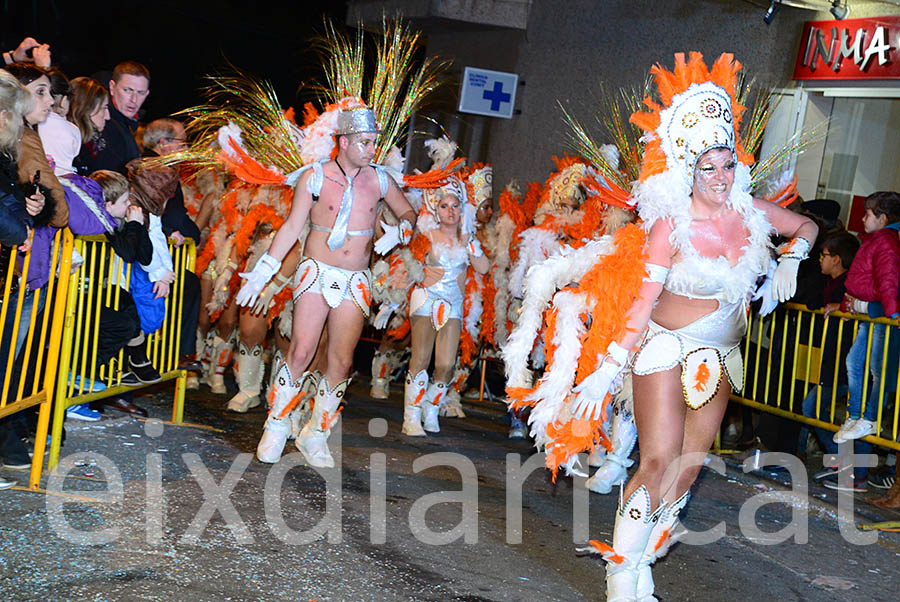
69,157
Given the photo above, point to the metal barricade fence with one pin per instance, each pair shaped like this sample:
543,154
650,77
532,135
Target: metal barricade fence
784,357
29,344
93,286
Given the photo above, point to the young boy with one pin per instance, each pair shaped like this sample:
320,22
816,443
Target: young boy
836,255
100,205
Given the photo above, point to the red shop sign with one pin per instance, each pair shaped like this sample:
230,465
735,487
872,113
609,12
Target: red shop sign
850,49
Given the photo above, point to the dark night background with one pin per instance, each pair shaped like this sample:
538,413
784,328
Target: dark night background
179,42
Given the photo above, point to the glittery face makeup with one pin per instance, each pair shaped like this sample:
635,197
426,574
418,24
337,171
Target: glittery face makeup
363,147
714,174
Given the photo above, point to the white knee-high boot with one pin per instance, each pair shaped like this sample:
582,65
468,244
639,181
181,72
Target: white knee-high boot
223,351
283,398
665,533
614,469
250,375
380,388
308,385
634,523
413,398
206,357
431,406
313,438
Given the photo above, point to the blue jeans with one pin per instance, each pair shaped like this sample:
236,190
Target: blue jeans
856,366
826,438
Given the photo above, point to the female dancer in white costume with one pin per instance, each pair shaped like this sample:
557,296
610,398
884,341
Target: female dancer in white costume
436,305
707,244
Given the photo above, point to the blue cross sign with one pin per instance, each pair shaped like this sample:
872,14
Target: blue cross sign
486,92
496,96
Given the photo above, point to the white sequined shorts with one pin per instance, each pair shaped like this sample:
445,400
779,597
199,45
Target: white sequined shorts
333,284
708,350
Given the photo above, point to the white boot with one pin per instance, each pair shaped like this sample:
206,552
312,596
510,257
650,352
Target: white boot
222,355
634,523
380,389
313,439
308,384
380,384
597,457
614,469
206,352
665,533
431,406
452,408
282,400
250,375
413,396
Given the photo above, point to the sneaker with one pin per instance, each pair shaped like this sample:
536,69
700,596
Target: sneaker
858,429
91,385
129,379
4,484
828,472
16,455
145,372
855,486
884,480
83,412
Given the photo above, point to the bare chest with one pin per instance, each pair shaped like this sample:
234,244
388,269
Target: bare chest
366,194
723,236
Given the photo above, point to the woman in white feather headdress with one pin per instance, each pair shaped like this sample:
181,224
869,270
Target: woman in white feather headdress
446,245
679,287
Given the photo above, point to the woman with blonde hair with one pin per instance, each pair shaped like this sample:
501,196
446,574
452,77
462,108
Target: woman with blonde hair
446,245
16,221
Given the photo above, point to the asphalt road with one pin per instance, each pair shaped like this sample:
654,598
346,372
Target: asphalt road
191,515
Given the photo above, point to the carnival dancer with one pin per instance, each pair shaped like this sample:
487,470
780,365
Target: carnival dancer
337,195
447,246
687,285
478,321
333,282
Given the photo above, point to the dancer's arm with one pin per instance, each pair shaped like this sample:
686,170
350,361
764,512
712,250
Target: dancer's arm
593,389
270,262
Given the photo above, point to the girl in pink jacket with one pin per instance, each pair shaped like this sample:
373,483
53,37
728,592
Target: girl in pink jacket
873,287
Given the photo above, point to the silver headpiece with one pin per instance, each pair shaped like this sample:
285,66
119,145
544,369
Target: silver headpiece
356,121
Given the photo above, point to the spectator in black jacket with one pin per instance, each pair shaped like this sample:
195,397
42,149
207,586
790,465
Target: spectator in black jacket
128,89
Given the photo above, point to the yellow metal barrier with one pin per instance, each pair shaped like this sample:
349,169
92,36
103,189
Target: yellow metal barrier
43,335
92,286
783,355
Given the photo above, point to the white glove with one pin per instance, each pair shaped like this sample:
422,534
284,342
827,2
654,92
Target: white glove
384,314
262,272
765,292
860,306
388,240
393,236
592,391
784,281
273,288
474,247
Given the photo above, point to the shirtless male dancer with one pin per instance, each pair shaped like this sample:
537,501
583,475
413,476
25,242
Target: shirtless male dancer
332,284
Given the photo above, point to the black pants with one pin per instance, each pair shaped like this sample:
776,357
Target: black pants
190,314
115,328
